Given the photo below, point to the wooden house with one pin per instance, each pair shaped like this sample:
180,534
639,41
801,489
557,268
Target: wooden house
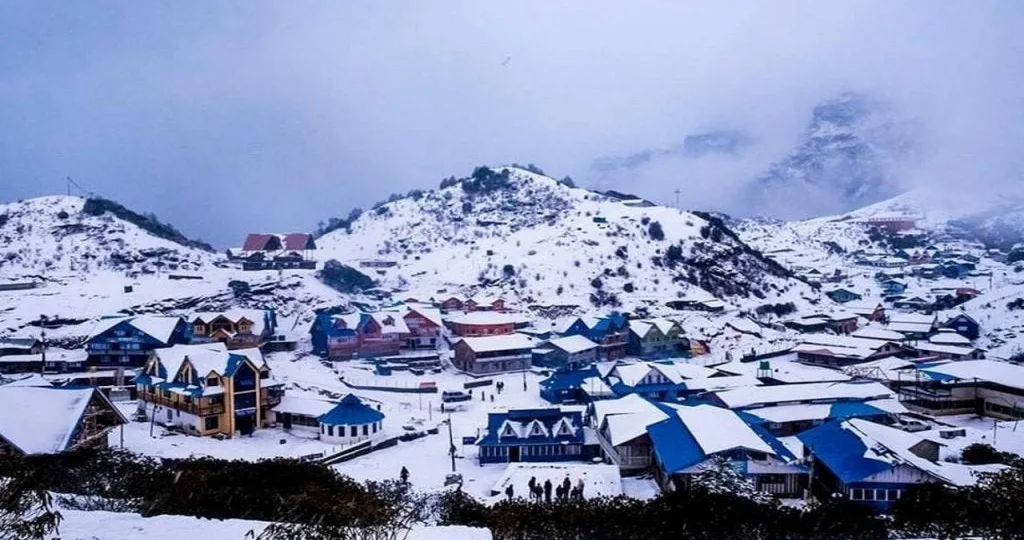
493,354
892,286
876,465
237,328
532,435
364,334
965,325
481,323
129,341
207,390
20,346
566,353
424,324
41,419
276,252
611,333
654,338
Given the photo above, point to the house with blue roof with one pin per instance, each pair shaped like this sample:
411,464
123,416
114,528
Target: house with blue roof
347,421
570,386
206,390
129,341
843,296
611,333
532,435
787,420
876,465
965,325
693,438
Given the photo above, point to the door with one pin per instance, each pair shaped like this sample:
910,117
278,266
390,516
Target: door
286,420
244,423
513,453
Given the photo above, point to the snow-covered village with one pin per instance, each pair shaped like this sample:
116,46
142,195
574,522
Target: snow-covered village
511,272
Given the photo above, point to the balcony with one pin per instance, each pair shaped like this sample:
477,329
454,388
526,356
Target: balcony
270,400
190,408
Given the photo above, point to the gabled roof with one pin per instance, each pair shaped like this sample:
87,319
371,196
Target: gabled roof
483,318
509,342
695,433
171,358
43,420
18,343
299,241
157,327
258,317
573,344
857,449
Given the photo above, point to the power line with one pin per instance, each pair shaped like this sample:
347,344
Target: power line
84,191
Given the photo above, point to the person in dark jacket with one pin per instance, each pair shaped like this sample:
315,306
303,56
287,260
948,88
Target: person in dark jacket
509,492
403,475
547,490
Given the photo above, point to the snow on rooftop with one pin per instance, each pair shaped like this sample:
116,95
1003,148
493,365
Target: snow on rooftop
949,338
785,371
717,430
156,326
508,342
172,357
483,317
41,420
880,334
994,371
631,404
305,406
573,344
756,396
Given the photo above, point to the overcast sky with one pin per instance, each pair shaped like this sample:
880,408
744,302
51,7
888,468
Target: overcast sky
228,117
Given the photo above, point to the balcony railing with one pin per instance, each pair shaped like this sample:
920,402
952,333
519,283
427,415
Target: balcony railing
191,408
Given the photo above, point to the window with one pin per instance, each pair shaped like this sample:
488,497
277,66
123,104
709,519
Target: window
264,373
330,431
869,494
212,381
856,494
892,494
353,431
211,422
366,429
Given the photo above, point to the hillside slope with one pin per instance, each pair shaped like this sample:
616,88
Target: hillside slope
529,238
53,235
89,266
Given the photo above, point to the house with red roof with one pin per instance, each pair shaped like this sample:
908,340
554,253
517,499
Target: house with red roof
264,251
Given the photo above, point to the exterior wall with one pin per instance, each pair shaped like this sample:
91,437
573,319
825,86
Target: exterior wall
422,331
475,330
632,457
349,434
469,361
530,453
452,304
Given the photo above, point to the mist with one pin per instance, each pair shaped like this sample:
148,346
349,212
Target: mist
227,118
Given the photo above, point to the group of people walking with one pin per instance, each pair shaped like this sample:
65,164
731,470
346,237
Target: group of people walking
538,492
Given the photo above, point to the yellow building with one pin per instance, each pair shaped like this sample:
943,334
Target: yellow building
208,390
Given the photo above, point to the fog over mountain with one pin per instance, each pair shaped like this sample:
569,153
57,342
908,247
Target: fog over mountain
224,118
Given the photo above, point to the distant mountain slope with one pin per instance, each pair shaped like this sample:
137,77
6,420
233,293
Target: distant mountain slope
848,158
73,235
534,240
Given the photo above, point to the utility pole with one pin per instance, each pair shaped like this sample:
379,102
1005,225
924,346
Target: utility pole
42,340
677,200
451,441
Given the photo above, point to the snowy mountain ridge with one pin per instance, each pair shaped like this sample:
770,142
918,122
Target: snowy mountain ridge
56,235
848,158
527,237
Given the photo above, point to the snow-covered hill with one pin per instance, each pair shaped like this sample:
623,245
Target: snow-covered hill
848,158
536,241
88,266
56,236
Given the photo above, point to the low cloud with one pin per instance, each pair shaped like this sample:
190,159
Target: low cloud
226,118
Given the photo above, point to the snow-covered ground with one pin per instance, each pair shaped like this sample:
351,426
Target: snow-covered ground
79,525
